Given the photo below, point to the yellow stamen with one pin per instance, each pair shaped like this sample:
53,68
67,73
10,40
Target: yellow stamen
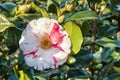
45,42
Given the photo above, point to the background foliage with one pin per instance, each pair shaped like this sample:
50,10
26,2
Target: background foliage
91,24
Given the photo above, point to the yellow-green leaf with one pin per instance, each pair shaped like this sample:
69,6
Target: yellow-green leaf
4,23
75,35
23,76
39,10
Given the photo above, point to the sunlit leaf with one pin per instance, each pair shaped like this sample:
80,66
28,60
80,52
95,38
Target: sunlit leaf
4,23
75,35
39,78
39,10
23,76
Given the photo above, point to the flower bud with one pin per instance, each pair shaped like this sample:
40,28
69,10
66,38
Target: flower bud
70,7
1,53
64,68
61,19
114,22
71,60
23,9
98,66
118,35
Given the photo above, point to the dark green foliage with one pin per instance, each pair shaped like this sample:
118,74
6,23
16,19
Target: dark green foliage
91,24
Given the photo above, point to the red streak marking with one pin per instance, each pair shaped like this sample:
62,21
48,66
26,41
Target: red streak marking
37,68
56,46
26,43
56,37
36,36
54,59
55,66
31,53
42,66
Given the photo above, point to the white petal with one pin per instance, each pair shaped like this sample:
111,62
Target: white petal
28,43
60,56
66,44
30,61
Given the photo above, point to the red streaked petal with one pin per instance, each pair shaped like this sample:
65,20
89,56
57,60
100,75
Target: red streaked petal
55,35
31,53
57,46
55,60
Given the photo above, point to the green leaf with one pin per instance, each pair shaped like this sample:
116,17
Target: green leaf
23,76
9,6
87,41
39,10
12,37
77,73
12,77
105,55
4,23
75,36
85,28
29,17
39,78
108,67
84,57
114,76
106,42
84,15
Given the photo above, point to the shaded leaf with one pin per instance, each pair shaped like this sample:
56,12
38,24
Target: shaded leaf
114,76
106,53
12,77
83,58
9,6
85,28
84,15
77,73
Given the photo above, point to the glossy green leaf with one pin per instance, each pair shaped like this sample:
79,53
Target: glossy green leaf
9,6
75,35
39,10
84,15
4,23
106,43
106,53
83,58
39,78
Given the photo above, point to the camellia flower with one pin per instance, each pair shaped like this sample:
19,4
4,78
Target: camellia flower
118,35
45,44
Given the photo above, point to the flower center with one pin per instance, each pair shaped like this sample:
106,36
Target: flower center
45,42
